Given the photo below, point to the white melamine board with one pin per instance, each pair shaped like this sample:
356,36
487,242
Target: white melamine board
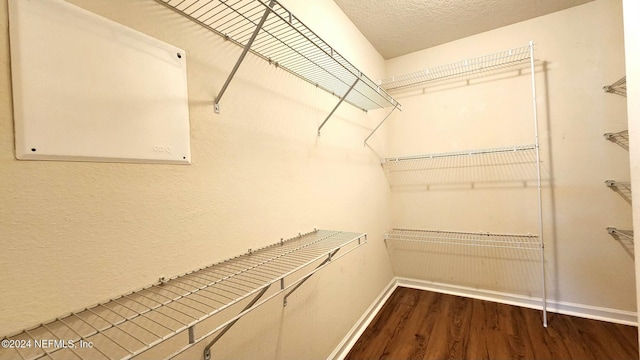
86,88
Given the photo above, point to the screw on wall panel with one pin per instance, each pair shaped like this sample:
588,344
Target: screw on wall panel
179,55
33,149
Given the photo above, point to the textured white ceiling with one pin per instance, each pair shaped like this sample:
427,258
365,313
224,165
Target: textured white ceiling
398,27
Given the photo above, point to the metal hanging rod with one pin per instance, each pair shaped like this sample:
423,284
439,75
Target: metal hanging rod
132,324
621,138
270,31
490,62
461,153
619,87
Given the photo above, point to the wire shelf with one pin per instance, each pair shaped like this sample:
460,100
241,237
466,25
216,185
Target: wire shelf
132,324
287,43
621,187
511,166
619,87
625,237
510,241
621,138
490,62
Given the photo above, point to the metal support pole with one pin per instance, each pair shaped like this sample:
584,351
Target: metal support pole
383,120
216,104
540,227
207,349
308,276
339,102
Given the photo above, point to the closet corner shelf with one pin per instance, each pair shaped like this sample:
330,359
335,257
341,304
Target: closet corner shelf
131,325
619,87
468,67
270,31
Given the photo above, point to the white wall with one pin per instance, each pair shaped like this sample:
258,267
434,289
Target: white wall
74,234
632,54
578,51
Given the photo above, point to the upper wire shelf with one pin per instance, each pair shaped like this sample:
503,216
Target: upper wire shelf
490,62
619,87
287,43
133,324
510,241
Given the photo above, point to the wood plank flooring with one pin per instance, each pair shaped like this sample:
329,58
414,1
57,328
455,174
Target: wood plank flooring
417,324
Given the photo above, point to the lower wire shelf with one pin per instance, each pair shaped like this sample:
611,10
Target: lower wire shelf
480,239
129,326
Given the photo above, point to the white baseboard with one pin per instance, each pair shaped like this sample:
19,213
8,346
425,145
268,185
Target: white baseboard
560,307
341,351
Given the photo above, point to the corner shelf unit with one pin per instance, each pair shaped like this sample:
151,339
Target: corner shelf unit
130,325
268,30
514,57
619,87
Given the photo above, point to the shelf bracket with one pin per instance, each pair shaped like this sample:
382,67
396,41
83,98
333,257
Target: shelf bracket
383,120
207,349
216,104
338,104
308,276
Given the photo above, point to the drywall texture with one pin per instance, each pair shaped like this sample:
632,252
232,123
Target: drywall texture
77,233
578,51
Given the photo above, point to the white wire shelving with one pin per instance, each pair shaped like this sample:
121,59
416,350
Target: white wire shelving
621,138
509,164
131,325
492,160
619,87
625,237
621,187
520,242
464,68
509,241
270,31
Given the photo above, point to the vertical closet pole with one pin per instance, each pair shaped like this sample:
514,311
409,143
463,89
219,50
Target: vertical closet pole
535,123
216,104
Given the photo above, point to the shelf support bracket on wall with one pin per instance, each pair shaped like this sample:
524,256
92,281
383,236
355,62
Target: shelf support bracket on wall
216,104
383,120
338,104
308,276
207,349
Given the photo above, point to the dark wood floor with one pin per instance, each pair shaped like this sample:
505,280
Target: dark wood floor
416,324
